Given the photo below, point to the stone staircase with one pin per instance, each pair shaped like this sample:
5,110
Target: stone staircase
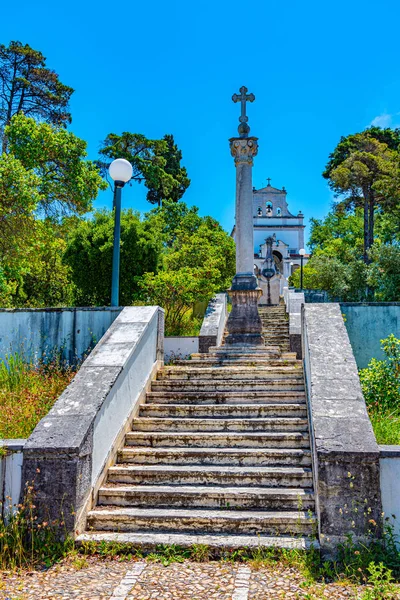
275,326
219,454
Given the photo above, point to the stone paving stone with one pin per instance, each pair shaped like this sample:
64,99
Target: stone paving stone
97,579
186,581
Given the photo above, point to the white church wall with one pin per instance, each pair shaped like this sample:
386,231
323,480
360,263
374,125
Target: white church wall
291,238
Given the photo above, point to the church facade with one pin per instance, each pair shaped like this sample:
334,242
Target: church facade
278,239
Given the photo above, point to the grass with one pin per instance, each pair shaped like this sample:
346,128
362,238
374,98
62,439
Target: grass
386,425
28,391
189,325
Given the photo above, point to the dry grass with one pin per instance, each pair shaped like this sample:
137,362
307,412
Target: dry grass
28,391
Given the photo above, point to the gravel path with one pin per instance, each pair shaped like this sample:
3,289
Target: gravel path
98,579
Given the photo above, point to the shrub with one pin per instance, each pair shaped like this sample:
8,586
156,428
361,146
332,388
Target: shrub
380,381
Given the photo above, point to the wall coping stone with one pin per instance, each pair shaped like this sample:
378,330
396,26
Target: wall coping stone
13,445
63,309
369,303
389,451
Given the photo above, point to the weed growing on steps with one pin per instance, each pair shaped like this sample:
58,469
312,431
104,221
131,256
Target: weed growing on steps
26,541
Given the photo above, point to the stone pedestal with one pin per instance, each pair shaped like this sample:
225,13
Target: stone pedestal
244,324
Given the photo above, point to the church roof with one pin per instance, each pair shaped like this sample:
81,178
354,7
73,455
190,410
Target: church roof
270,189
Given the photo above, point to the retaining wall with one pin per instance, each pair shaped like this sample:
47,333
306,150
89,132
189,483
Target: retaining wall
10,475
39,332
180,347
367,324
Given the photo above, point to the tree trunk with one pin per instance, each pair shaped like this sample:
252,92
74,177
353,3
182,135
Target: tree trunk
371,222
366,228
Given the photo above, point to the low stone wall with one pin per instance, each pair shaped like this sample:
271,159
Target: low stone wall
345,452
10,475
180,347
69,451
367,323
390,485
40,332
213,327
294,302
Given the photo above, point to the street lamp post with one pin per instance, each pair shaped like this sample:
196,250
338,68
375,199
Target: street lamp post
302,253
120,171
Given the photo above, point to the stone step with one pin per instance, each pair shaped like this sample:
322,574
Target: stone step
221,424
193,385
227,397
231,372
216,456
274,337
252,439
228,362
240,350
187,496
291,477
234,356
217,544
197,520
245,411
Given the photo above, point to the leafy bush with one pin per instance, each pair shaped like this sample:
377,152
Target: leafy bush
380,383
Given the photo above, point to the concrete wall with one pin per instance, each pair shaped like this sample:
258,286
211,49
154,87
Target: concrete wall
180,347
69,451
39,332
367,324
10,475
294,302
213,327
390,485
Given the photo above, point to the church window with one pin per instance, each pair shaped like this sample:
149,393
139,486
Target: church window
259,211
278,212
268,207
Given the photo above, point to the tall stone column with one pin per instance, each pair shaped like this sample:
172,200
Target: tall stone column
244,323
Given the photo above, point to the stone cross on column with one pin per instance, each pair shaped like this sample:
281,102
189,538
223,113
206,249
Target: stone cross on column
244,324
244,97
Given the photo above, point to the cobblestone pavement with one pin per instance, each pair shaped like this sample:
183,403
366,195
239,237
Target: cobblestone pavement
99,579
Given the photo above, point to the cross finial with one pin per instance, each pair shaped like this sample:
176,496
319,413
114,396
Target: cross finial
269,181
243,97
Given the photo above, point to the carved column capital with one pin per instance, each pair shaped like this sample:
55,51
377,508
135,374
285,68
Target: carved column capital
244,149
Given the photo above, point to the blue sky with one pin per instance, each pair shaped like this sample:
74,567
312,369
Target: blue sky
318,70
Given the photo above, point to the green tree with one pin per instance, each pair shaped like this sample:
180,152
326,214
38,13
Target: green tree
19,197
173,218
66,181
172,156
384,272
154,162
176,292
89,255
42,279
198,261
338,235
209,249
27,85
365,172
342,281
